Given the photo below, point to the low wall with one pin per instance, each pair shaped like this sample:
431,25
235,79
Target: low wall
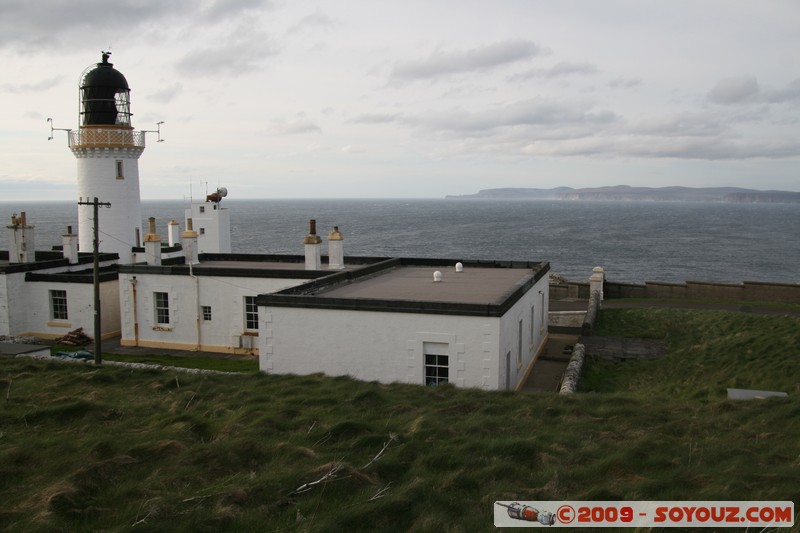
752,291
747,291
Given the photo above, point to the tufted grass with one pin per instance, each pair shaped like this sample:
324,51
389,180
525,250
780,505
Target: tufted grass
85,448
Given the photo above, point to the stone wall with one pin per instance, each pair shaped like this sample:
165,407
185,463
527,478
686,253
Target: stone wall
751,291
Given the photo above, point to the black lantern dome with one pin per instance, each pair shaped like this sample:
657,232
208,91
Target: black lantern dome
105,96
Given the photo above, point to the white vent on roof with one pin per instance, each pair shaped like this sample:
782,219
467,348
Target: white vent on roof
459,267
437,277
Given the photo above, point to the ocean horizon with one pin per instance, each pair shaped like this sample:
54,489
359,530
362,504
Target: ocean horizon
633,241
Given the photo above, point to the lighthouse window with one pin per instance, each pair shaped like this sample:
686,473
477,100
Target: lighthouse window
58,305
250,313
120,174
161,305
206,313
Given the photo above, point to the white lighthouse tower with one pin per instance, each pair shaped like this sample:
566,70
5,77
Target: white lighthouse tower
108,150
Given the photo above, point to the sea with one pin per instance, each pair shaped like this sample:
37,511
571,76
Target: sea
633,241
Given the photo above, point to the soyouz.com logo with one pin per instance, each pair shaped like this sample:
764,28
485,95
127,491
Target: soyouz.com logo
644,514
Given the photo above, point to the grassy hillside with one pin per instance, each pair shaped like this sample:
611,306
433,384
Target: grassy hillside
84,448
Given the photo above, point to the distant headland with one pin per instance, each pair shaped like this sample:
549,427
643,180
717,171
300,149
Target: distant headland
641,194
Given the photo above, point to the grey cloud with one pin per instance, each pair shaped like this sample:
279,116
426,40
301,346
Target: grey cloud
375,118
789,93
734,90
442,63
42,85
564,68
711,149
236,57
679,125
535,112
625,83
314,21
25,24
746,89
222,9
294,127
168,93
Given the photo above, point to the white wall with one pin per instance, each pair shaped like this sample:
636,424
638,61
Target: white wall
388,347
97,177
382,346
29,307
213,227
225,295
532,338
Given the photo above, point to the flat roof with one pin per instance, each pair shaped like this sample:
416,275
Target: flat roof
473,285
405,285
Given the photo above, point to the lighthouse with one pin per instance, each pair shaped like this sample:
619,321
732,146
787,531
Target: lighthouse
107,149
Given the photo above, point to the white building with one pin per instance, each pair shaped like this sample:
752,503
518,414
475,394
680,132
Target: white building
425,321
482,325
48,294
212,222
209,307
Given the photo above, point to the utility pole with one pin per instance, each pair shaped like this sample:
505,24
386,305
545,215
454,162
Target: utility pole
98,356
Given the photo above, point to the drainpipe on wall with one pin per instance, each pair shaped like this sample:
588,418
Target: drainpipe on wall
189,238
196,306
135,318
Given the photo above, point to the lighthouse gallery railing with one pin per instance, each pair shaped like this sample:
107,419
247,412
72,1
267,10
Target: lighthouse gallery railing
111,137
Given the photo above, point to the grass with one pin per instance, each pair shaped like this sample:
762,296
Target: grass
203,362
708,352
85,448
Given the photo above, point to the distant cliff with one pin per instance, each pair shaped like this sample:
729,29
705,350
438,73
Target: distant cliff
641,194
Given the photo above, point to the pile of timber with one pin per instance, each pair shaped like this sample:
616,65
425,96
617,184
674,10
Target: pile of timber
75,338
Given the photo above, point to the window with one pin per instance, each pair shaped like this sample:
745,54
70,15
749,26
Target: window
533,324
202,231
519,343
161,305
250,313
437,369
206,312
58,305
202,209
437,363
120,174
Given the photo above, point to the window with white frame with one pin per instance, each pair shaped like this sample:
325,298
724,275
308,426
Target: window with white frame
206,312
519,343
58,305
250,313
437,363
161,306
533,324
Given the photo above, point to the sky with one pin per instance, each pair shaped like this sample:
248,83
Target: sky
411,99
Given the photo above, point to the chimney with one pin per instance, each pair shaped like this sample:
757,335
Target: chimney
21,243
190,249
312,242
152,243
172,232
335,249
69,246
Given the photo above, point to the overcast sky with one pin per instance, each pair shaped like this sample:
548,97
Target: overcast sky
351,98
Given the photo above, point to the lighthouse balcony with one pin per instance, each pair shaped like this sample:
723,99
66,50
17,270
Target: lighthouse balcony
106,137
